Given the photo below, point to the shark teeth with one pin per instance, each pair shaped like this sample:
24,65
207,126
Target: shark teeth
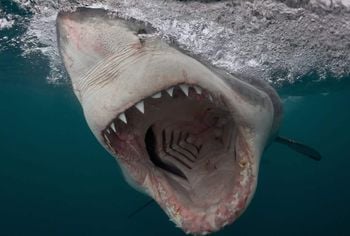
106,138
198,89
122,117
185,88
141,107
113,127
170,91
157,95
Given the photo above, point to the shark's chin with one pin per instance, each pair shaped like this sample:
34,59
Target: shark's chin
184,148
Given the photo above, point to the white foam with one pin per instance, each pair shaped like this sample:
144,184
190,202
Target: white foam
331,3
98,6
239,42
6,24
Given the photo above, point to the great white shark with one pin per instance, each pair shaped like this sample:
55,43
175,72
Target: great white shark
183,132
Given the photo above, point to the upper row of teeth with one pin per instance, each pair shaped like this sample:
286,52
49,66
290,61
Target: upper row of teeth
141,105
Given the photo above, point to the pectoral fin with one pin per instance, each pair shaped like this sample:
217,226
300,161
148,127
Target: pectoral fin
300,148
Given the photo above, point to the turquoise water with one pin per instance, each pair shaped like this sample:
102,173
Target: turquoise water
55,179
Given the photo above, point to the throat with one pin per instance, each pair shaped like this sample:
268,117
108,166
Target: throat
196,153
180,147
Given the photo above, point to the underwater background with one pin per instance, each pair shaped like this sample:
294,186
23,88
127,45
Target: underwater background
56,179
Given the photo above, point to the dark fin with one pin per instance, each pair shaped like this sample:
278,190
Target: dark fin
141,208
300,148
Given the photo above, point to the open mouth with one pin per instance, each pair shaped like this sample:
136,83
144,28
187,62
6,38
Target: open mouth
184,148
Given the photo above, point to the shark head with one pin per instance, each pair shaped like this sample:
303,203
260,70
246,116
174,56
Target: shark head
188,135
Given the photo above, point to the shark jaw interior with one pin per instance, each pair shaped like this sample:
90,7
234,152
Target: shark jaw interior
183,147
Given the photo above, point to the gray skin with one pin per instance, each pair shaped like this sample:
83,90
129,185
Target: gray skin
112,69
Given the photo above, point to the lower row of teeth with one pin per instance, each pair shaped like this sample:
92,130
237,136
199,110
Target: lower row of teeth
141,106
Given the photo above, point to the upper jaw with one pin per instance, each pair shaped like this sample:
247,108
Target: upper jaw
102,104
110,78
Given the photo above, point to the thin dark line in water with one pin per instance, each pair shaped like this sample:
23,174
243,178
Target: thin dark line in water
140,208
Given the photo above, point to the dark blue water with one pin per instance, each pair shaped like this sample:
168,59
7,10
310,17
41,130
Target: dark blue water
55,179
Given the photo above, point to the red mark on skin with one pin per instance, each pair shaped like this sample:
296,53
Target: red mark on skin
77,37
136,46
72,30
84,38
71,61
99,48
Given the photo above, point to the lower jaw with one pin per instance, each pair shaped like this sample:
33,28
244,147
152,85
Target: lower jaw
187,215
199,220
